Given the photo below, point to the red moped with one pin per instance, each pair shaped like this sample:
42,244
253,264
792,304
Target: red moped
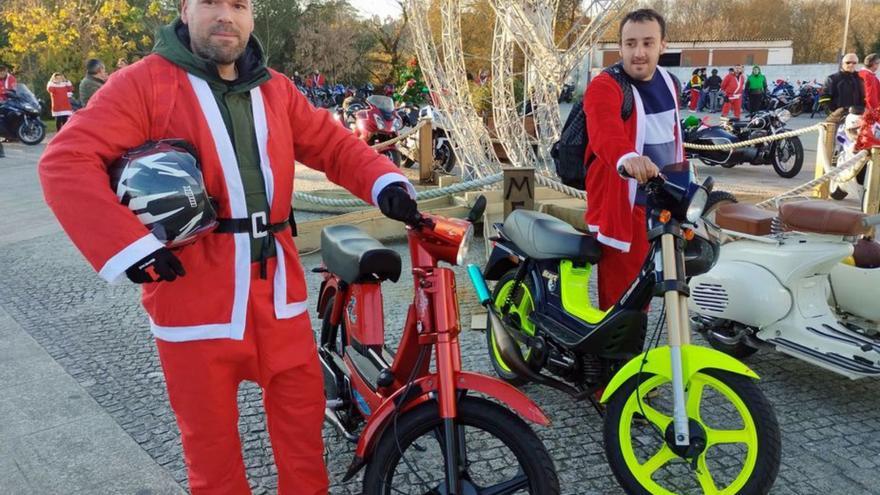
418,429
377,123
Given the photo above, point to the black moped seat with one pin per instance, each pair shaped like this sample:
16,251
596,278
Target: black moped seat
354,256
542,237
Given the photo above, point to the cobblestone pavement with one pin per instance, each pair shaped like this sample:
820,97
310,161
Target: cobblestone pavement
830,425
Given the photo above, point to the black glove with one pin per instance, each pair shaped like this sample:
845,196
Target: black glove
164,263
396,203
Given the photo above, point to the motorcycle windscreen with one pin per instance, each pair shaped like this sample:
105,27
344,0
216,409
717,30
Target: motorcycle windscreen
383,103
681,174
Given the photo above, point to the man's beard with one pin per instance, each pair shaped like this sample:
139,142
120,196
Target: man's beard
216,52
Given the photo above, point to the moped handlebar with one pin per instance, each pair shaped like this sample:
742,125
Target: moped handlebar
871,221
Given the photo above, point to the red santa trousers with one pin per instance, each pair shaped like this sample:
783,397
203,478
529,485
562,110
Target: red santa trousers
618,270
695,98
737,107
203,376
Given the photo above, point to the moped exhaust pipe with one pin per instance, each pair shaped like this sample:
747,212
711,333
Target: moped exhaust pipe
507,346
510,352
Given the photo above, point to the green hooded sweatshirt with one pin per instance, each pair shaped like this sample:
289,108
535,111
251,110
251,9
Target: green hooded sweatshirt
234,100
757,83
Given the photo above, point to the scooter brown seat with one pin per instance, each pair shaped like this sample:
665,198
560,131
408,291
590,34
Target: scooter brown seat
822,217
352,254
745,218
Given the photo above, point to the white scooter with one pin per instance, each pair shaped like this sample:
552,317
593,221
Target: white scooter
804,281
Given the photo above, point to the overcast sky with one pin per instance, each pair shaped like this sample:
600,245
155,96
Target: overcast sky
381,8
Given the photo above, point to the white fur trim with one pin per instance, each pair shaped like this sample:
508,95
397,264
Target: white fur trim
62,113
282,308
609,241
113,270
390,178
242,258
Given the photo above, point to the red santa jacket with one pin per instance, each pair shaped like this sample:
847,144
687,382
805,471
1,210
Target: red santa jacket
7,82
872,89
60,95
733,86
211,300
610,197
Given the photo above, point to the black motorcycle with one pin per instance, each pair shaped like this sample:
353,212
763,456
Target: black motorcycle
786,155
20,116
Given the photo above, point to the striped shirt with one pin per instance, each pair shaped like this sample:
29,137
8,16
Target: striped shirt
660,124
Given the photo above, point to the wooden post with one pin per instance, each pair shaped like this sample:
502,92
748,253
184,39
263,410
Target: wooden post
872,183
426,152
519,189
824,154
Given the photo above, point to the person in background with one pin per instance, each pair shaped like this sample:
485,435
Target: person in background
712,83
868,73
732,86
757,84
96,76
696,85
121,63
7,82
845,88
60,92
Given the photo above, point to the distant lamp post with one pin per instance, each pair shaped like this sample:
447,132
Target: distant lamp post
845,30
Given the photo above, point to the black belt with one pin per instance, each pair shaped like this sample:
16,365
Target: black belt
257,227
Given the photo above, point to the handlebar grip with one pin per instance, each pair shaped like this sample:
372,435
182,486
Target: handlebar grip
479,284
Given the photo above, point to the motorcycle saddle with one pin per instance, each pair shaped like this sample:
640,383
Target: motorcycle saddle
745,218
543,237
354,256
822,217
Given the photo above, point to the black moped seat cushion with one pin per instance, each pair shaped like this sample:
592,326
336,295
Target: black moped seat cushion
542,237
354,256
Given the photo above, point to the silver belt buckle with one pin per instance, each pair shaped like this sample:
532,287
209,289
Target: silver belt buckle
256,217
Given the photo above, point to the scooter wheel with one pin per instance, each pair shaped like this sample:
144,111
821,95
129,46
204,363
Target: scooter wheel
735,439
409,456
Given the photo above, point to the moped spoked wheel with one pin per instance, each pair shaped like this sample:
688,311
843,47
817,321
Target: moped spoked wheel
727,411
520,308
787,157
409,457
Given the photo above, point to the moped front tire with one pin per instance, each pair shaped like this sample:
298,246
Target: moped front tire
420,426
759,433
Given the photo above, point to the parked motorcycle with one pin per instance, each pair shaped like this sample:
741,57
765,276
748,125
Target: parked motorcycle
567,93
786,155
337,94
321,97
379,122
444,154
808,289
423,431
345,113
20,116
658,403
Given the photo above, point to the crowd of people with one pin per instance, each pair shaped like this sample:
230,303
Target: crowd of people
849,87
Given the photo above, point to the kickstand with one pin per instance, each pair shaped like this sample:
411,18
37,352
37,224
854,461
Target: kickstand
596,406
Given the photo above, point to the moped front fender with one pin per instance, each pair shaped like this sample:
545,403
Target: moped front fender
505,393
693,359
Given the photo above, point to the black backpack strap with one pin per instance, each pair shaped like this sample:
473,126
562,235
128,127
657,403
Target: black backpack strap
617,73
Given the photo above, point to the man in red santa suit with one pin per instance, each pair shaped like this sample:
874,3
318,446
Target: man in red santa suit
732,87
625,154
231,306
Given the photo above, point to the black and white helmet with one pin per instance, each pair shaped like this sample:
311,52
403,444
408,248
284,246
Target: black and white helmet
161,182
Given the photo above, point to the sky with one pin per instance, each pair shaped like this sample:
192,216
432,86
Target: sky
381,8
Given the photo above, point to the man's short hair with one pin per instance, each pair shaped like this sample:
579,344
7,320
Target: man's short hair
93,66
871,59
643,15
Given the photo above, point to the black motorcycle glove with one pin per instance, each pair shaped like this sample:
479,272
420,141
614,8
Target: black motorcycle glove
164,264
395,203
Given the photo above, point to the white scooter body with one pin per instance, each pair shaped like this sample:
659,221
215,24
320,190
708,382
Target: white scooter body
779,287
